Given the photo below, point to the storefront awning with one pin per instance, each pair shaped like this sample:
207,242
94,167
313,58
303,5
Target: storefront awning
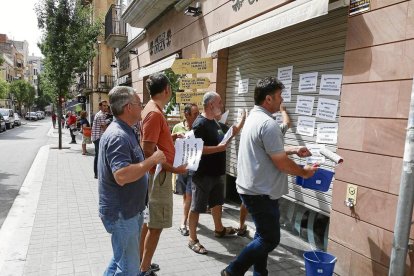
285,16
158,66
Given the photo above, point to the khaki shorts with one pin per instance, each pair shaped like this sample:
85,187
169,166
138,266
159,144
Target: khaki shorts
160,201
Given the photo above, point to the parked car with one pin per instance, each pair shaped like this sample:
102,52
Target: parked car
2,123
40,114
8,116
17,120
31,116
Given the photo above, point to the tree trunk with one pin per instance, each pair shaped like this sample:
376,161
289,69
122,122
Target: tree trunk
59,110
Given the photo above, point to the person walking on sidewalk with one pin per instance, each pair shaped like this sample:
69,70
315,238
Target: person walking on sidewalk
156,134
98,127
262,166
86,131
54,119
72,126
183,181
123,181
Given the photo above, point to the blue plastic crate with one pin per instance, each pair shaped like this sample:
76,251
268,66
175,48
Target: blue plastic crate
320,181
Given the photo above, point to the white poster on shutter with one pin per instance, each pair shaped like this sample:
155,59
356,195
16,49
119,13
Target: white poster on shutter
278,117
307,82
316,157
327,109
243,86
330,85
284,74
304,105
287,93
327,133
306,125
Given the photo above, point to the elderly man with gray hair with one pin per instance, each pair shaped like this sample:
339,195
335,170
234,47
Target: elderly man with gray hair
208,186
123,181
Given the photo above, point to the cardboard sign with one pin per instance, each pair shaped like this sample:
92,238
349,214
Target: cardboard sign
194,83
193,66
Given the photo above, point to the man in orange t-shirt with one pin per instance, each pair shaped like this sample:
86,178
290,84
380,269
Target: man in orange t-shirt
156,134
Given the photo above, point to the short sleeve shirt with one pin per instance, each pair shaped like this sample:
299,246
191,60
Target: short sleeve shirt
260,138
118,148
180,128
98,122
211,133
155,129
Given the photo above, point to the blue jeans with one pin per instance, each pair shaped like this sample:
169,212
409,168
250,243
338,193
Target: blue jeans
95,160
125,237
265,215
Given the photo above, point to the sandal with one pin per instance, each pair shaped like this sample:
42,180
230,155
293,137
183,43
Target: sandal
226,231
197,247
184,231
242,231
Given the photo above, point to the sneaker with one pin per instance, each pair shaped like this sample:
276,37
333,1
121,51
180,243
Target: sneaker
154,267
147,273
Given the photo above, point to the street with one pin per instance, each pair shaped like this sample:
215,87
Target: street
18,148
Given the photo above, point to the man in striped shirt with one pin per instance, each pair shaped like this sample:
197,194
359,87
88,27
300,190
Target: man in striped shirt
98,127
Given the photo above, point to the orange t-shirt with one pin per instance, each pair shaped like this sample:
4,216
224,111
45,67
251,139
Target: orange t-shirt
155,129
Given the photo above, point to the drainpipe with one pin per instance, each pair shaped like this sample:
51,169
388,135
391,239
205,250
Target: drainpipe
405,201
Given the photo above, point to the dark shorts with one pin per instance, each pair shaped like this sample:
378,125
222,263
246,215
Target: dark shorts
183,183
206,190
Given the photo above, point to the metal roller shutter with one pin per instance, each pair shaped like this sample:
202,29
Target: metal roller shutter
316,45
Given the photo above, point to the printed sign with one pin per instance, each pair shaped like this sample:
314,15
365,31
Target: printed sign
316,157
359,6
307,82
330,85
188,151
306,126
194,83
287,93
284,74
193,66
327,133
304,105
243,86
327,109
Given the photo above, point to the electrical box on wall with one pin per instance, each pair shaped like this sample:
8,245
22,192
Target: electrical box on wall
351,195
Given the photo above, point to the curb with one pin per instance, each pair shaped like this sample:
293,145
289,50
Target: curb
17,228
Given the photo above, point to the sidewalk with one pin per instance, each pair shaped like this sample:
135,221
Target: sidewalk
54,227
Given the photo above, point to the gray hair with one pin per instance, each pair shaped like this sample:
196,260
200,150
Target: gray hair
119,96
209,97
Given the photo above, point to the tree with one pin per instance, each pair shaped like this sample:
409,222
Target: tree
30,97
20,90
67,43
44,93
4,89
175,83
1,60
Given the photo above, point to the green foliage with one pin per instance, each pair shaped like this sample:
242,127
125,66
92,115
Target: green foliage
4,89
45,92
1,60
23,93
175,83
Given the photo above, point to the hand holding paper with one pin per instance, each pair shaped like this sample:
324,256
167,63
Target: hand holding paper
227,136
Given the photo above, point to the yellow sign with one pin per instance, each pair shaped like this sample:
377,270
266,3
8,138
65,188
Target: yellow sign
193,66
194,83
189,97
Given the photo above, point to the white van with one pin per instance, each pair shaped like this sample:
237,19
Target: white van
8,116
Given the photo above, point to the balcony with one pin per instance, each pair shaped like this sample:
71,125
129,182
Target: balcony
84,83
115,28
140,13
106,83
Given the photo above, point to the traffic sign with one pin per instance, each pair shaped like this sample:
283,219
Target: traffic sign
194,83
193,66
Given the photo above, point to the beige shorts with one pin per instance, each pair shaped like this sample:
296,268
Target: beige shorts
160,201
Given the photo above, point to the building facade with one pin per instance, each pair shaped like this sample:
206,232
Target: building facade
348,76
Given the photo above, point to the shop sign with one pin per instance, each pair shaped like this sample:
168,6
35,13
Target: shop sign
194,83
193,66
359,6
161,42
237,4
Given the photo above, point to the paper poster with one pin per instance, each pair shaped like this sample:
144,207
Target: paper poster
188,151
227,136
306,125
284,74
327,133
330,85
304,105
243,86
287,93
316,157
307,82
327,109
240,114
224,116
278,117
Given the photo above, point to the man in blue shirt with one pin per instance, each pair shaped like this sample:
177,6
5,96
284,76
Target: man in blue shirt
123,181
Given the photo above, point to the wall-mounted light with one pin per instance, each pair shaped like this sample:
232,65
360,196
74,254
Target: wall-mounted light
133,52
193,11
